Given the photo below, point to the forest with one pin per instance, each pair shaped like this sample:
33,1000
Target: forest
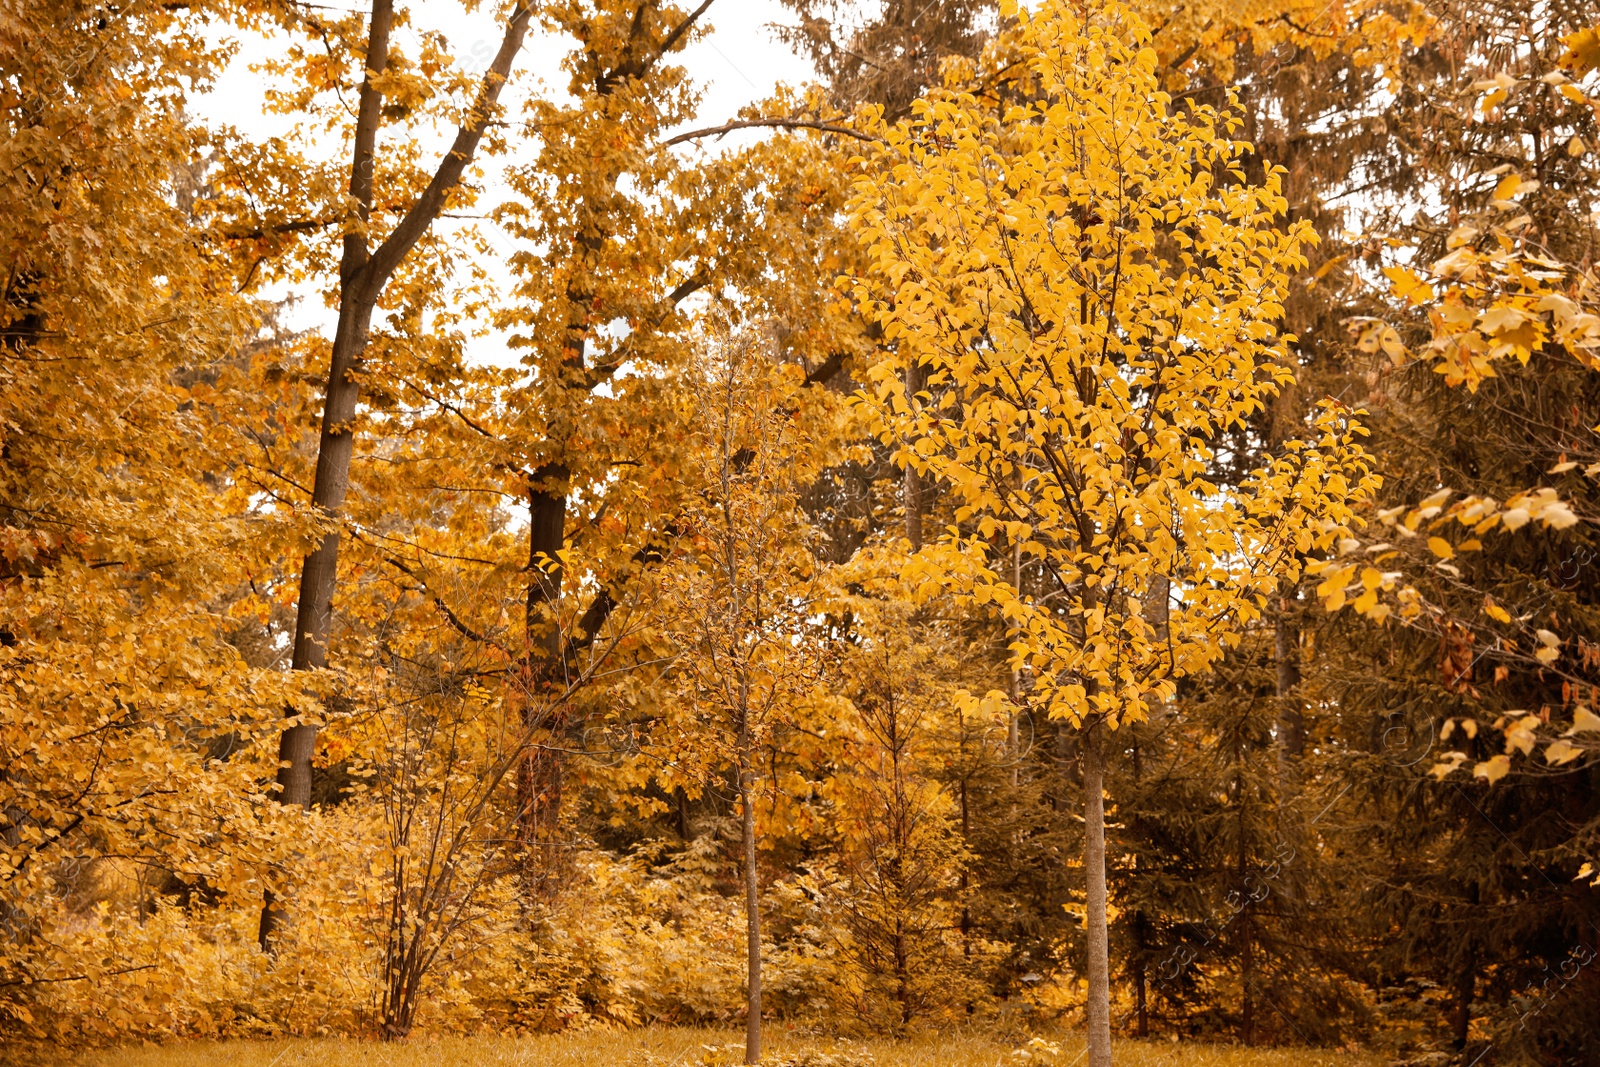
1073,530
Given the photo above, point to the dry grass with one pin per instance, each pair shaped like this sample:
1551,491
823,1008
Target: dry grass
664,1047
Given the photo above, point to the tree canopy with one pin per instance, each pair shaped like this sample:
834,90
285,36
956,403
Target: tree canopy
1085,516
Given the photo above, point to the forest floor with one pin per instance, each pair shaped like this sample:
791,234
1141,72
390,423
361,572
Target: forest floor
670,1047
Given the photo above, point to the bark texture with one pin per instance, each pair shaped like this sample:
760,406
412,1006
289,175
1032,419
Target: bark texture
752,912
1098,1010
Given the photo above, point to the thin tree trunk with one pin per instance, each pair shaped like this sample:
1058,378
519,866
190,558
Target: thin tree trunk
1141,1005
1013,740
912,488
966,839
1094,863
1466,983
1247,939
1247,963
1291,728
752,913
902,973
1139,927
1291,717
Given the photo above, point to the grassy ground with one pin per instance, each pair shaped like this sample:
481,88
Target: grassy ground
687,1048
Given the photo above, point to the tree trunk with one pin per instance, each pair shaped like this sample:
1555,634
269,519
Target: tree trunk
752,913
1013,739
1098,1012
681,801
541,778
335,446
1246,931
1141,1005
913,481
1291,717
1466,983
966,839
1247,961
1140,924
902,973
362,277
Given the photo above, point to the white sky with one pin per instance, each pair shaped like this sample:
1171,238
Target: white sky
736,64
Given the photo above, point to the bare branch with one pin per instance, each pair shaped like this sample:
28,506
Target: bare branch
781,124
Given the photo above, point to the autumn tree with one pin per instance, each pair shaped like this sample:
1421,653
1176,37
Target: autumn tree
128,706
619,233
747,586
1097,296
364,272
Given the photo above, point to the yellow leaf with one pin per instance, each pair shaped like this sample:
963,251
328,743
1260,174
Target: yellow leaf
1560,752
1584,721
1521,736
1408,286
1558,516
1441,548
1390,341
1493,769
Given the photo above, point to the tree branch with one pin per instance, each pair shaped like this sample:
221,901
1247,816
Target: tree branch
450,616
76,977
826,369
282,227
637,67
411,228
782,124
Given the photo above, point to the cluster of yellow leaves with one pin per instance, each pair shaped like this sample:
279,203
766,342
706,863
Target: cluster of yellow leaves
154,427
1521,730
1492,296
1093,288
1359,562
131,703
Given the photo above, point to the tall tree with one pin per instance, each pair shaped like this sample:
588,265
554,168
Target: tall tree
364,272
1095,290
